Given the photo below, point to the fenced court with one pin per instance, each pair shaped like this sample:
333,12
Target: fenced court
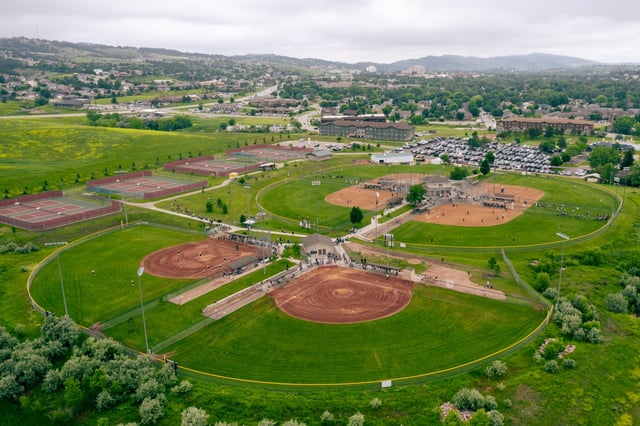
143,185
208,166
48,210
265,152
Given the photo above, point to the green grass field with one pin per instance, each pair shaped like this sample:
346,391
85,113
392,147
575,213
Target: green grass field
438,330
261,335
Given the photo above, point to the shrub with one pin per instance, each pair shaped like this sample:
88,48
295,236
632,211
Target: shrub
552,349
616,302
496,369
551,367
468,399
568,363
507,403
480,418
327,417
542,281
182,388
537,357
193,416
550,293
150,411
148,390
104,400
267,422
375,403
293,422
490,403
356,420
496,418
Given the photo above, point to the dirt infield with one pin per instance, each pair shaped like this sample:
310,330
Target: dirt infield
460,281
474,215
337,295
357,196
197,260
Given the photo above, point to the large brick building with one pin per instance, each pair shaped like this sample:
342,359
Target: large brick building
520,124
368,130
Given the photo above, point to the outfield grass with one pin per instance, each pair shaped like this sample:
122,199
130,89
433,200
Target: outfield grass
438,330
115,258
536,225
166,319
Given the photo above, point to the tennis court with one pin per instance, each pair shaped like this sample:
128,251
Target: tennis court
143,185
50,210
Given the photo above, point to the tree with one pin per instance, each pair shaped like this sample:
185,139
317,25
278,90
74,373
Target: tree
485,167
151,411
459,173
624,124
209,207
602,155
416,194
490,157
627,159
556,161
356,215
547,146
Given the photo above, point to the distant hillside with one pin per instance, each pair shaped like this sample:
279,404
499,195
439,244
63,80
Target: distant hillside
26,48
531,63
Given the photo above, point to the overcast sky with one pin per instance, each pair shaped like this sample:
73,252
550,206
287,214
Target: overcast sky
345,30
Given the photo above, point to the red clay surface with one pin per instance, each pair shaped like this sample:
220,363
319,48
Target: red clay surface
366,198
338,295
196,260
472,215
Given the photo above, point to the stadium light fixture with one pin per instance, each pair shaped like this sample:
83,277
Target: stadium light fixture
64,298
144,323
564,237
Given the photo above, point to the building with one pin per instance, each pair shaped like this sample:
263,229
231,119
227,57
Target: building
521,124
392,158
347,116
318,248
374,130
320,155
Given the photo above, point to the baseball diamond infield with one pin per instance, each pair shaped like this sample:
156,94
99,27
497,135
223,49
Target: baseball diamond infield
197,260
338,295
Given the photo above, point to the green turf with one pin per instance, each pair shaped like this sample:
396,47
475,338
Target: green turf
115,259
438,330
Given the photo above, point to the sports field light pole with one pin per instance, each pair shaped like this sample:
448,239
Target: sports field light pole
564,238
144,323
64,298
316,183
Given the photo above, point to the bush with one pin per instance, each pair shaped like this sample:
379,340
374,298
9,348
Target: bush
104,400
568,363
267,422
375,403
551,367
182,388
193,416
327,417
293,422
150,411
542,281
550,293
616,302
496,418
496,369
468,399
356,420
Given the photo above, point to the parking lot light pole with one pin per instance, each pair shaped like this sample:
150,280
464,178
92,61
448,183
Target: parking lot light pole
64,298
564,238
144,323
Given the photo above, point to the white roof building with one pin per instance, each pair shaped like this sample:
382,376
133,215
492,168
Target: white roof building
392,158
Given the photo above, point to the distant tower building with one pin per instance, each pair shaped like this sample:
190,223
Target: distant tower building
371,69
416,70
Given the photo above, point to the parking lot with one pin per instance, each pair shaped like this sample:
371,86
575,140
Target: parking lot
507,156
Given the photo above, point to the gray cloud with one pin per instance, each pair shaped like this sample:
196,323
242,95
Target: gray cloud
351,31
